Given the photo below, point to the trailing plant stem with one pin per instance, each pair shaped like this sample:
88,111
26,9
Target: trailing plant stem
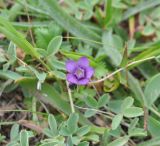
123,68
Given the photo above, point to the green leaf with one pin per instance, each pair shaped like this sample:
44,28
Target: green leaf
2,137
11,33
54,45
89,113
91,102
105,137
54,98
45,34
100,70
148,30
111,47
56,64
147,69
70,127
11,52
153,125
69,141
76,140
127,103
64,130
24,138
152,91
85,143
119,142
124,61
59,74
119,4
92,137
72,123
48,132
140,7
136,88
103,100
116,121
133,112
42,37
109,10
5,84
152,50
52,124
137,132
133,124
14,132
10,75
115,105
83,130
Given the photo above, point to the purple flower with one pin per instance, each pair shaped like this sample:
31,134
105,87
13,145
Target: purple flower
79,72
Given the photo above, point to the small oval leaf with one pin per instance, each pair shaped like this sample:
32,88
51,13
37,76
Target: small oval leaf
24,138
127,103
152,91
119,142
116,121
54,45
133,112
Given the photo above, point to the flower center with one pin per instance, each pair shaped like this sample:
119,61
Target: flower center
79,73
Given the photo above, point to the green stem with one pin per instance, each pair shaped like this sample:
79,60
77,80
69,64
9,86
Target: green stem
34,115
8,123
154,111
70,98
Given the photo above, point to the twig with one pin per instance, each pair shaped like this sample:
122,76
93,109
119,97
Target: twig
98,111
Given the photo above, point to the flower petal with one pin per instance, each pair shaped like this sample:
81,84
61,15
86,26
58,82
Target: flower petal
70,66
83,61
71,78
83,82
89,72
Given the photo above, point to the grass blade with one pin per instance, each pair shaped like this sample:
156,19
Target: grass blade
10,32
140,7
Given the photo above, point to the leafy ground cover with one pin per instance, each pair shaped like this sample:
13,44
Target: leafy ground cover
79,72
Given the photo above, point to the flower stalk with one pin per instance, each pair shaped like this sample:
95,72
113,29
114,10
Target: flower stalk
70,98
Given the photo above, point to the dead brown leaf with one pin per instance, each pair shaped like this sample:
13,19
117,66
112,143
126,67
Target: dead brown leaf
31,126
20,53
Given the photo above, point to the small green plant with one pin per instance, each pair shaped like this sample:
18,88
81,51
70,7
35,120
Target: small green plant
79,73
